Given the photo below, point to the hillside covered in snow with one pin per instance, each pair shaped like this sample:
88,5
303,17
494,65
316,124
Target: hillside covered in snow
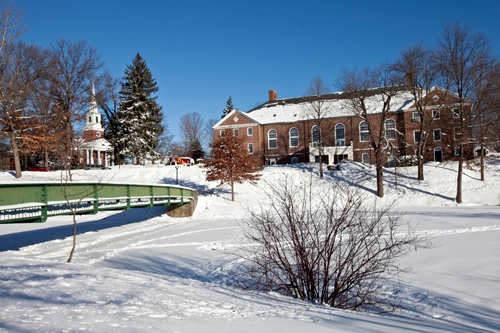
140,270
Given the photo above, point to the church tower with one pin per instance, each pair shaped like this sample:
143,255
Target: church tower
93,129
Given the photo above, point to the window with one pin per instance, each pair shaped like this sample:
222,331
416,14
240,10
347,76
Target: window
364,134
272,161
390,129
458,134
340,135
365,158
294,137
415,116
249,131
90,119
236,132
437,134
222,133
295,160
416,136
250,148
436,114
457,151
315,133
96,119
456,113
272,139
438,154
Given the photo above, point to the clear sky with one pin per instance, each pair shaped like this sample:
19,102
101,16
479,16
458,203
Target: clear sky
202,52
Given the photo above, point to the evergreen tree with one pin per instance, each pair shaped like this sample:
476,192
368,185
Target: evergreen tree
197,150
231,163
229,107
139,114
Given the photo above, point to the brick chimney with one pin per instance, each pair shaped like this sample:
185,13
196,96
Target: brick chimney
408,79
273,95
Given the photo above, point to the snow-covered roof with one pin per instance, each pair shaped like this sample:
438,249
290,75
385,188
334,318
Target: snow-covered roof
296,109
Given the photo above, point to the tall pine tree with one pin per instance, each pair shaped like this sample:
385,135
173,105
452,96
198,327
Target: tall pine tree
139,115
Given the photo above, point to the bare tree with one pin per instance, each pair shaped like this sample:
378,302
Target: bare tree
209,132
22,66
462,55
318,110
370,96
76,66
418,66
191,130
331,248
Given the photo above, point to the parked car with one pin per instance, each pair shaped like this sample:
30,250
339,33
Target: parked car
96,167
40,168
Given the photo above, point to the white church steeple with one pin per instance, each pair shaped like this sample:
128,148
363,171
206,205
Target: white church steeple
93,129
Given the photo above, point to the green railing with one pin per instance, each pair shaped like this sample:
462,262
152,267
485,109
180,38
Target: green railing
34,202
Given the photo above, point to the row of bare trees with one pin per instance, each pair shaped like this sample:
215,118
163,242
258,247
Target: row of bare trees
462,65
44,92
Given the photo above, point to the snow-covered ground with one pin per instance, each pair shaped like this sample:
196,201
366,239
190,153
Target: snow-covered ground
141,270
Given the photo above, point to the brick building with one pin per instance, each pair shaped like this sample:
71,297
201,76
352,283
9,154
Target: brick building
282,131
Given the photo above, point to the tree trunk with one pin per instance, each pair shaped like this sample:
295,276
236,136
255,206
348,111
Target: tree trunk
420,164
68,156
320,148
459,176
380,174
482,162
15,149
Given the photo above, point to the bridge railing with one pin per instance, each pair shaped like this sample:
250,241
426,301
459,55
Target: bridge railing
34,202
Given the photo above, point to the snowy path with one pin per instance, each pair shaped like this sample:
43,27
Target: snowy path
140,270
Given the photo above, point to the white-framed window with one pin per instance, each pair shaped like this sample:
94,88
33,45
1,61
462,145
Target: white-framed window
457,151
222,133
315,134
436,114
415,116
250,148
272,161
272,139
416,136
436,134
340,135
365,158
364,134
391,161
456,112
249,131
457,134
294,137
236,132
295,160
390,129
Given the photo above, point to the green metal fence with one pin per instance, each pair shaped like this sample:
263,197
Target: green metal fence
34,202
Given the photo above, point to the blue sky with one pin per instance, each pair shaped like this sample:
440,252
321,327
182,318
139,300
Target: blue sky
202,52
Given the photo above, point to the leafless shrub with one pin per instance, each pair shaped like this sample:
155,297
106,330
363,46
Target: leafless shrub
326,246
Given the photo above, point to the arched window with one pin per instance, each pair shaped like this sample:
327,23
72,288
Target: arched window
294,137
315,134
364,134
272,139
438,154
390,129
340,135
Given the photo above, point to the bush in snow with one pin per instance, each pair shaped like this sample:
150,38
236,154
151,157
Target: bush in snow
327,247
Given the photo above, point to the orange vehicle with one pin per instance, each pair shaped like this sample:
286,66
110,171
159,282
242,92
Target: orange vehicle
181,161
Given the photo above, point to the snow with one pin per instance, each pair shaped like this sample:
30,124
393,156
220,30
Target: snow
282,112
140,270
